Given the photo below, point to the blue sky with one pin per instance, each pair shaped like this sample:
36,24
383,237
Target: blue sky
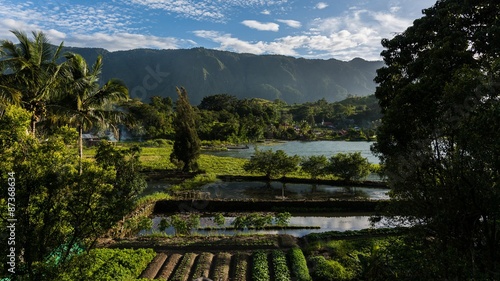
340,29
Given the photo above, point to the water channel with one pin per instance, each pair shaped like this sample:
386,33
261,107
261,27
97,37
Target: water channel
325,223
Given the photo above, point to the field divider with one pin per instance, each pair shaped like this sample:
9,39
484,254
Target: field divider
169,266
154,266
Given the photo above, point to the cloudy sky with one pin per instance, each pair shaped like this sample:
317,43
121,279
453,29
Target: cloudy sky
341,29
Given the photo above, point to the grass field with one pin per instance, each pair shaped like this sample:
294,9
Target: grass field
158,158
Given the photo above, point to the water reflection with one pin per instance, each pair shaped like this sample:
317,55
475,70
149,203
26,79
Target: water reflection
273,190
339,223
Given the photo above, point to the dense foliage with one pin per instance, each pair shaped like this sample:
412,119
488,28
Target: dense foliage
62,206
272,163
223,118
107,264
327,270
439,94
151,120
63,202
349,166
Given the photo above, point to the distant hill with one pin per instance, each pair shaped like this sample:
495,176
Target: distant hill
206,72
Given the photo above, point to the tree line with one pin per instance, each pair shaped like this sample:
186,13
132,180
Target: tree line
275,164
223,117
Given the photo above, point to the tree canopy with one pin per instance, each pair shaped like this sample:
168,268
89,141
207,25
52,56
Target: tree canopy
439,94
29,74
272,164
349,166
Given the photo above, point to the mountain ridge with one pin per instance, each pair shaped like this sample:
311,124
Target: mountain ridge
203,72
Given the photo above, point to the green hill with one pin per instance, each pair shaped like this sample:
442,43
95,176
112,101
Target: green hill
206,72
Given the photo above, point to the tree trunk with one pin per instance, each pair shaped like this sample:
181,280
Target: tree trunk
80,148
33,125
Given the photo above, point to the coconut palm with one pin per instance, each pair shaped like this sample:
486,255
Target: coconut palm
85,103
29,73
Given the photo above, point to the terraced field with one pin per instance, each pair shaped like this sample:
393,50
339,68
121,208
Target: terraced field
226,266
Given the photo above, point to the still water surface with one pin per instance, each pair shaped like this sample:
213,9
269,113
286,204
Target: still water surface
301,148
295,191
326,223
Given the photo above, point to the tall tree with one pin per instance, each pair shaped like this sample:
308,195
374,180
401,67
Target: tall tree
86,104
29,73
187,144
439,94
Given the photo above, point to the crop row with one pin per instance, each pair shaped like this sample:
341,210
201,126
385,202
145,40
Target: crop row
260,266
281,271
260,269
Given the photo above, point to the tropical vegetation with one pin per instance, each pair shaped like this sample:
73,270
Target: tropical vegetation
437,139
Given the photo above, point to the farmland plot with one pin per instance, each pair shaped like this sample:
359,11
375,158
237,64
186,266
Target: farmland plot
224,266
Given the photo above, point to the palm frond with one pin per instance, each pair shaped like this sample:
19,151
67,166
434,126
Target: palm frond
113,91
25,45
57,53
9,95
97,67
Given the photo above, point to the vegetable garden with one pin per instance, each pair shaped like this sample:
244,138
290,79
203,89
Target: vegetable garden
252,266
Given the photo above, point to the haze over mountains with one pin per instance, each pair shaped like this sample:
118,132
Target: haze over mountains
206,72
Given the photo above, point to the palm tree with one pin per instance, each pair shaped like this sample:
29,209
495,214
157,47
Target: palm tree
85,103
29,73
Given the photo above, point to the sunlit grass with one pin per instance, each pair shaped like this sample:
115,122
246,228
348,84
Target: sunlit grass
158,158
222,165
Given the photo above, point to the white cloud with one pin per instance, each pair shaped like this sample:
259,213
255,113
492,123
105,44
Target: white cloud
268,26
212,10
394,9
266,12
229,43
291,23
356,33
321,5
124,41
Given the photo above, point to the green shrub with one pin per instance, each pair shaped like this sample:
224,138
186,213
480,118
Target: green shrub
298,264
137,224
107,264
282,219
327,270
157,196
156,143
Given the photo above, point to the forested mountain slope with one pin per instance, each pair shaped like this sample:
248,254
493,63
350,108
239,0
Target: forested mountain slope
206,72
